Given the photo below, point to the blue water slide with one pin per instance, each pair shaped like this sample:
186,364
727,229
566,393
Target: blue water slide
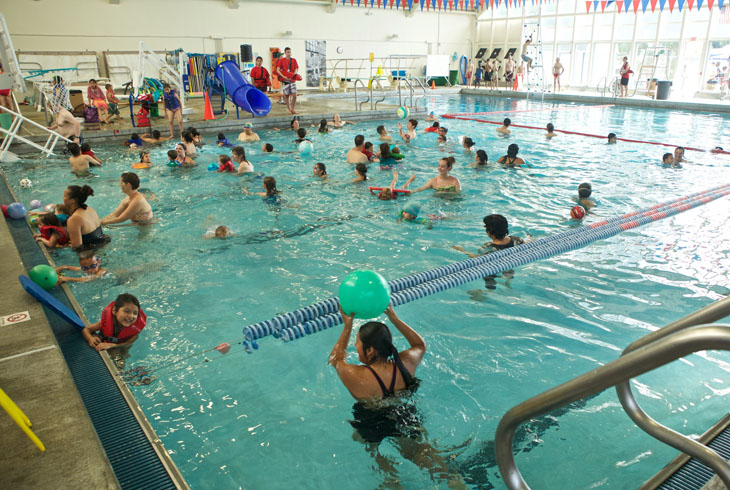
243,94
463,64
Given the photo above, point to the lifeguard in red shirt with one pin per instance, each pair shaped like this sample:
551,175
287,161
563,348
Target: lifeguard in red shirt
260,76
286,70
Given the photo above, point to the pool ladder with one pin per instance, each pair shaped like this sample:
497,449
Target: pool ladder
685,336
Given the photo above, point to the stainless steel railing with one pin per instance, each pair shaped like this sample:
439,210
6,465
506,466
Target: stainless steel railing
650,352
709,314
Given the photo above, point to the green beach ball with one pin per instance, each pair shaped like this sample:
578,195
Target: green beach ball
366,293
43,275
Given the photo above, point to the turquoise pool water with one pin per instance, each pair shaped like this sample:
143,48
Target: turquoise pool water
279,418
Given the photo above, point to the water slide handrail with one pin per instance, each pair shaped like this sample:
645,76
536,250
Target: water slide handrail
711,313
630,365
12,134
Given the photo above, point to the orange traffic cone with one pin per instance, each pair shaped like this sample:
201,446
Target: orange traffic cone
433,85
208,111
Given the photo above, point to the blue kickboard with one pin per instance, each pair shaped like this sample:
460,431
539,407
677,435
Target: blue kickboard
59,308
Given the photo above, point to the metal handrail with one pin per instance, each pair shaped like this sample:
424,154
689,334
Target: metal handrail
410,87
423,97
711,313
639,361
604,79
357,80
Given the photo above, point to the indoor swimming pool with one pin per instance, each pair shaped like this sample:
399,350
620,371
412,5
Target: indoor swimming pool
278,418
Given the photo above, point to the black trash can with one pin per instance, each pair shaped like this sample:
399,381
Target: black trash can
663,88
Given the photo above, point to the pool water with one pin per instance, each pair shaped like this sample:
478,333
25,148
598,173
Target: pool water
278,418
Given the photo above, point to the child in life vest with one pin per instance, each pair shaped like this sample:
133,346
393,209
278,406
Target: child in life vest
225,164
120,324
52,234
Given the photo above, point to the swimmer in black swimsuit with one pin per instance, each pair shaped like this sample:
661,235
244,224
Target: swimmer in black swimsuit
74,198
511,159
381,412
95,239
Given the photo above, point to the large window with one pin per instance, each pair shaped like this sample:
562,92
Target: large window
591,45
601,53
603,27
583,27
579,68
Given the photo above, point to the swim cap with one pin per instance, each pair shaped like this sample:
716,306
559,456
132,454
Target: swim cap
247,125
413,209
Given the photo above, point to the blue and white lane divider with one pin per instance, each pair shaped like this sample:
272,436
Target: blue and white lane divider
516,256
325,314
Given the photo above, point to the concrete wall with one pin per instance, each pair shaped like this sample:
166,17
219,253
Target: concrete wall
208,25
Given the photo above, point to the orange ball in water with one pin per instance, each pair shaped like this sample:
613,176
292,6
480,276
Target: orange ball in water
577,212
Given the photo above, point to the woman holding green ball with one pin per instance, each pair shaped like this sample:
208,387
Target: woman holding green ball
385,371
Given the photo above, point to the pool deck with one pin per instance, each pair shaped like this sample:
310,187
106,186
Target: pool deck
34,374
692,105
312,107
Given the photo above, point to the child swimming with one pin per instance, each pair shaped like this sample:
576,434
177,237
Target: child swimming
550,131
89,264
120,324
225,164
145,160
320,170
223,141
388,193
270,194
584,193
361,171
481,160
52,233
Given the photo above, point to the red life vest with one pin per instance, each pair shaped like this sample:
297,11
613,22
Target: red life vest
47,231
226,167
142,120
107,326
431,129
260,77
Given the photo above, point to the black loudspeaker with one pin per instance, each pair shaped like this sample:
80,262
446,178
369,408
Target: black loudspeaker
246,53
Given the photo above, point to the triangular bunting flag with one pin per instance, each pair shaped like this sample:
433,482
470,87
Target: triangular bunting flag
709,4
661,5
603,5
392,2
627,4
619,4
595,5
636,5
379,3
720,3
644,4
680,4
422,2
588,6
699,4
690,3
410,5
671,5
